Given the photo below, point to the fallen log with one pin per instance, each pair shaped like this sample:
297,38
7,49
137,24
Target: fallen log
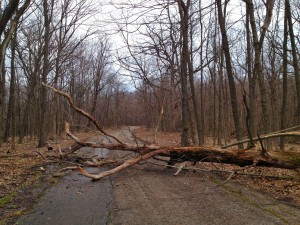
277,159
240,157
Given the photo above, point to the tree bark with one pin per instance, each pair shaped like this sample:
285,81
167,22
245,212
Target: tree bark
258,67
2,99
232,89
252,81
10,119
43,91
220,100
202,103
283,114
194,99
294,54
184,24
8,12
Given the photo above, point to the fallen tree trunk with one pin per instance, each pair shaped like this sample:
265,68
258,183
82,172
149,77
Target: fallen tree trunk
278,159
240,158
178,154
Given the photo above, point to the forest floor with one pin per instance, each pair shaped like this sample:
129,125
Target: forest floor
24,168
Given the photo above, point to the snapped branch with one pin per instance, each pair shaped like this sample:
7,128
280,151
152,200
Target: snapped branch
83,113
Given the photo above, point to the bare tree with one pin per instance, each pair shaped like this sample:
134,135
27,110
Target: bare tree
29,59
10,128
294,54
11,10
258,43
10,119
232,89
69,16
184,9
284,81
46,67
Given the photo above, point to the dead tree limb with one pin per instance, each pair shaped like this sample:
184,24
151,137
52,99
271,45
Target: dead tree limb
127,163
103,162
108,145
82,112
274,135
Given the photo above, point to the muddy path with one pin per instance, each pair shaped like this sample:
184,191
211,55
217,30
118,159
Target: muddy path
150,194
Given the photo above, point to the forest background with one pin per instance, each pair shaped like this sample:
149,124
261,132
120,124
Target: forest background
213,70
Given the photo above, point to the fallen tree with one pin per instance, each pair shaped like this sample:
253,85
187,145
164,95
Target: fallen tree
238,157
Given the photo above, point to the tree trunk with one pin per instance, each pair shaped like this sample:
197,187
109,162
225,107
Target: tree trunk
220,100
2,100
252,83
194,100
232,89
10,119
13,75
202,103
283,114
184,19
294,53
43,94
6,15
259,70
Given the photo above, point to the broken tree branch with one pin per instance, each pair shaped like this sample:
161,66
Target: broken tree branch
127,163
82,112
103,162
274,135
107,145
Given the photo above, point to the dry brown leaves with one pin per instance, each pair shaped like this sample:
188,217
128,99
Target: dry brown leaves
24,164
282,189
163,139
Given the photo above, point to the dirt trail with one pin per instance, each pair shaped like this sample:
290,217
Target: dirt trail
149,194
